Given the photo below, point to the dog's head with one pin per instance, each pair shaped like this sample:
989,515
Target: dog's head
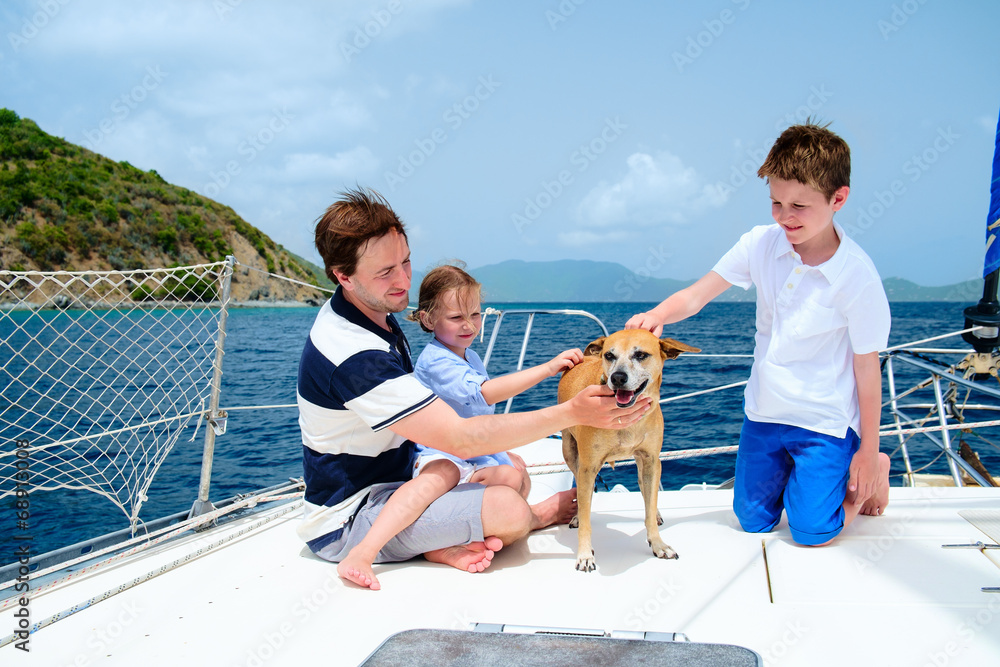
633,360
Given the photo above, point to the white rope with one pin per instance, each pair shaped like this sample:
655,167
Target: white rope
287,279
703,391
961,426
261,407
111,592
927,340
143,542
560,466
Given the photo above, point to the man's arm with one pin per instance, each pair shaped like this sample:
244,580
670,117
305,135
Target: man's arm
864,465
438,426
681,304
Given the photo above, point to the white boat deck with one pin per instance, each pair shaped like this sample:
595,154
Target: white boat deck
885,593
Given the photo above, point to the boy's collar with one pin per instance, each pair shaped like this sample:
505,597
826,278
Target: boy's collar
832,267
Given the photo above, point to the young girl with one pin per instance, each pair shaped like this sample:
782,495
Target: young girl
449,308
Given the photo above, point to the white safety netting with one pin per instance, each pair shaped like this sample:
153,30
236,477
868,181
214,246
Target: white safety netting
101,372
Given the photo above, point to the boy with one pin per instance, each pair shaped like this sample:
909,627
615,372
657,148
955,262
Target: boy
809,443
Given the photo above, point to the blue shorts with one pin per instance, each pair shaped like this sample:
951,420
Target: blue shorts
795,469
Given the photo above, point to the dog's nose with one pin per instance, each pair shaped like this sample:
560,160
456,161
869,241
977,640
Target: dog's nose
619,378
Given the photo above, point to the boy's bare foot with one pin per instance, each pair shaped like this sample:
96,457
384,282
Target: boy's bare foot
875,505
560,508
358,570
471,557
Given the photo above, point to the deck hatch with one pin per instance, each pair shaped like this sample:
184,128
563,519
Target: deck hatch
456,647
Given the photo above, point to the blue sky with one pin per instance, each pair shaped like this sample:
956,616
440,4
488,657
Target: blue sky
619,131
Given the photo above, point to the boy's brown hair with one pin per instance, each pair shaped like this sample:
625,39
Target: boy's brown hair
344,230
810,154
436,284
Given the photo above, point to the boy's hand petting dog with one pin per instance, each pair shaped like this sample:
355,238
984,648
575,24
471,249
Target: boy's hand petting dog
646,321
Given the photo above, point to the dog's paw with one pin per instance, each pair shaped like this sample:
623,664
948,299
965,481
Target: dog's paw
659,519
574,522
586,563
662,550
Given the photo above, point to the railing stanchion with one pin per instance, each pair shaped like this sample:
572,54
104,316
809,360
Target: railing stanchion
945,437
895,416
215,419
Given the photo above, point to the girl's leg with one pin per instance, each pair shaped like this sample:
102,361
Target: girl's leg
403,507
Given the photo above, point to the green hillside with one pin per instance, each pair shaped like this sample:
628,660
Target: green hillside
63,207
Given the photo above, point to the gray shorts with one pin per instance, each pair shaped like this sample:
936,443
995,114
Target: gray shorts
454,518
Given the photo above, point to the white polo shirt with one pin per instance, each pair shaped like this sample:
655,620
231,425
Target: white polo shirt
811,321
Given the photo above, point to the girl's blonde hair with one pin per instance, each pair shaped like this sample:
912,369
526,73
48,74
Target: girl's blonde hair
436,284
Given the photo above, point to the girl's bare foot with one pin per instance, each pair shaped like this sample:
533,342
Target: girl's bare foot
471,557
875,505
358,570
560,508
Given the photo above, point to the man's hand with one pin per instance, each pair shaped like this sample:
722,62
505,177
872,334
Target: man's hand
863,476
596,406
564,361
646,321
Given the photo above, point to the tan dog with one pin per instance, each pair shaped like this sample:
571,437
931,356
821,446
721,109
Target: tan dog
630,363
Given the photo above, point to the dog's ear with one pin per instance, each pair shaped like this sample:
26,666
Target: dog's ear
595,348
671,349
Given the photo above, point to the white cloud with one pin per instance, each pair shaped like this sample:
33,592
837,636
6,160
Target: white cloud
582,238
657,189
305,167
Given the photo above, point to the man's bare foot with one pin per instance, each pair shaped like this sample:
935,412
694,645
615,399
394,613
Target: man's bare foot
358,570
471,557
559,508
875,505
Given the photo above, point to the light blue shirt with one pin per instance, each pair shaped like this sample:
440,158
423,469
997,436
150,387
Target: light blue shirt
458,382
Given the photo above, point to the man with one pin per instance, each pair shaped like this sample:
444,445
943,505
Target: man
361,410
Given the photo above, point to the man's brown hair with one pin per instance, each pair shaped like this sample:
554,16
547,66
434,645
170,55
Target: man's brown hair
436,283
344,230
810,154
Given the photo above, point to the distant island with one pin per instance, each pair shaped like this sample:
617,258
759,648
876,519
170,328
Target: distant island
574,280
63,207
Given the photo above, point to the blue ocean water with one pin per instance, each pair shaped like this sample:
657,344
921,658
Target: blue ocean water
262,448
